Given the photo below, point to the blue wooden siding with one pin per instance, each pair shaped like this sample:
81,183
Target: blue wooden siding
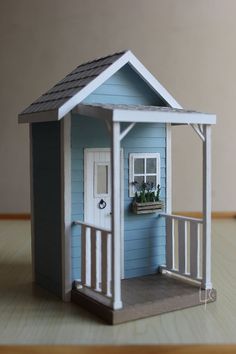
85,133
47,205
125,87
144,235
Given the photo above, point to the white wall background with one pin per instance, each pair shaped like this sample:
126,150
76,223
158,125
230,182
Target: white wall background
189,45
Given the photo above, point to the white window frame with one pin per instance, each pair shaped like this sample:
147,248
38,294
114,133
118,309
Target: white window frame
141,155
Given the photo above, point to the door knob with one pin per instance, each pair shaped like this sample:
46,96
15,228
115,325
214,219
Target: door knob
102,204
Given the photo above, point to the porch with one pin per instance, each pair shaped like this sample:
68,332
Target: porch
187,243
178,284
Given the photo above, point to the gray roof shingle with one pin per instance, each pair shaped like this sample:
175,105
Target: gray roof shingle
139,107
71,84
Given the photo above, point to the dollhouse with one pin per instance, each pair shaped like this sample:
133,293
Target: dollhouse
100,138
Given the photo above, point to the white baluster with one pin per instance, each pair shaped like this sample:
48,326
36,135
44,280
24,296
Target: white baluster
94,279
169,243
182,230
83,255
194,230
104,249
88,256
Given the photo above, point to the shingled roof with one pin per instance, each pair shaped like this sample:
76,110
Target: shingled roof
77,85
72,84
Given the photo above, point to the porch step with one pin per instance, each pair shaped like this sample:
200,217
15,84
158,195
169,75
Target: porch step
146,296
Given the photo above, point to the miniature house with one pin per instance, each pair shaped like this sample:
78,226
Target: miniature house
104,126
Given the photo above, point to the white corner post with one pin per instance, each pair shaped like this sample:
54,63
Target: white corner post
206,269
168,170
116,217
32,201
66,208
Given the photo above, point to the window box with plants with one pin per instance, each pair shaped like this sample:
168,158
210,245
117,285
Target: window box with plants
147,198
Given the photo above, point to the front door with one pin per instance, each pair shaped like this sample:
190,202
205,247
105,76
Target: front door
97,186
97,190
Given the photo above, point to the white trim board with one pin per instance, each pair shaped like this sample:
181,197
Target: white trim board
121,115
127,58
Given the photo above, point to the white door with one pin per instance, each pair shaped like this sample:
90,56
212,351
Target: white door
97,191
97,184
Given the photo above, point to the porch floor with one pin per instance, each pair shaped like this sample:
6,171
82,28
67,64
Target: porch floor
144,297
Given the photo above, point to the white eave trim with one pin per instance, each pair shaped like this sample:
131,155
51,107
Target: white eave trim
163,117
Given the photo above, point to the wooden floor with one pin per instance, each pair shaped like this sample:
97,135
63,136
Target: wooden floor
33,316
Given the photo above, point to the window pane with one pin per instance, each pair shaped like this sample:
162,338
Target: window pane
152,181
139,180
138,166
151,165
102,179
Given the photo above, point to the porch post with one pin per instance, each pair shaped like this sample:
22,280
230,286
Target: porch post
206,269
116,218
168,170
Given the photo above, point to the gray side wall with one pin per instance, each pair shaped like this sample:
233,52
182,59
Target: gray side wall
47,205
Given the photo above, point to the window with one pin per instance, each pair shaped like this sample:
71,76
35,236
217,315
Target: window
101,180
143,167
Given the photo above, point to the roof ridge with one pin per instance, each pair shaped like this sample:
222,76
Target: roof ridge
103,57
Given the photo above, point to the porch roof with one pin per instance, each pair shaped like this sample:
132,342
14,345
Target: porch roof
145,114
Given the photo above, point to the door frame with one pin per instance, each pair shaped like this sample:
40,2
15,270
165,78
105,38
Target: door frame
86,181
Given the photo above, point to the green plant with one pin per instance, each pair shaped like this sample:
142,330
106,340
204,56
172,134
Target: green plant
146,192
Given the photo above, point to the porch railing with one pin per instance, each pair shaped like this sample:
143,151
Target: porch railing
96,258
184,246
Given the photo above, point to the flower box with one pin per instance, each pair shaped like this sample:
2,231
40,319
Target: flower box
147,207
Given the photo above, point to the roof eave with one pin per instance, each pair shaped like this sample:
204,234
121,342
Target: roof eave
44,116
163,117
145,116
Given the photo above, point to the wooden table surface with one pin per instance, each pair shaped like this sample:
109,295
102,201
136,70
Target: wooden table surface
141,349
30,316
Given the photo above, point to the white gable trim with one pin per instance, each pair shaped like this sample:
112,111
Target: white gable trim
127,58
152,81
88,89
